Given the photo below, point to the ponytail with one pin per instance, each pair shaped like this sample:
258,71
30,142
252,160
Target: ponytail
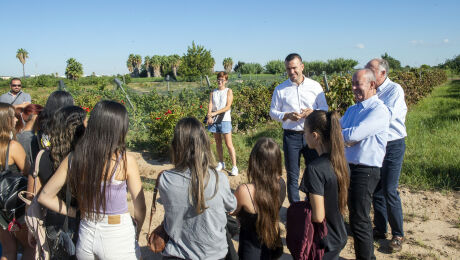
339,163
327,125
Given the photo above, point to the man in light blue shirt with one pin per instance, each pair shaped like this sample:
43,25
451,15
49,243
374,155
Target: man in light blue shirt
387,203
292,101
365,132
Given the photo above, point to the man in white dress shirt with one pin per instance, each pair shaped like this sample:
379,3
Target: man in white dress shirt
386,201
292,101
365,130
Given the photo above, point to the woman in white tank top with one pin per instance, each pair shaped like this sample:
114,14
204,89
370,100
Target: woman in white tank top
220,121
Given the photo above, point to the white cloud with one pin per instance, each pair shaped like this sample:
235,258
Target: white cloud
446,40
417,42
360,46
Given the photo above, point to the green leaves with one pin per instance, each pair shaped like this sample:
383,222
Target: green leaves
197,62
74,69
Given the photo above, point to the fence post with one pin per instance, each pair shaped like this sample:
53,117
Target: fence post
61,85
325,81
207,81
120,86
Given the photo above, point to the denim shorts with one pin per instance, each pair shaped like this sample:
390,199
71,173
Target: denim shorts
223,127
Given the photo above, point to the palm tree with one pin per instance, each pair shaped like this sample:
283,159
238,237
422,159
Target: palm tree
228,64
155,62
137,62
22,55
129,63
175,63
147,65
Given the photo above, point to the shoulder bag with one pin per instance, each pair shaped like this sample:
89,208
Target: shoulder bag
35,216
11,184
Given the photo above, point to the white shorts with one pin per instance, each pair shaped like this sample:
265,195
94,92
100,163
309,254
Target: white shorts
113,237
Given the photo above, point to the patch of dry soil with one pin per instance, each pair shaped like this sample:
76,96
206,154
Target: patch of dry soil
431,220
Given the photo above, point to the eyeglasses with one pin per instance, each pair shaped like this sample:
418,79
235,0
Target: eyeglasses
16,85
220,80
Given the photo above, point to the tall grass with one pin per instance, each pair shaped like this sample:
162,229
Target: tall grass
432,159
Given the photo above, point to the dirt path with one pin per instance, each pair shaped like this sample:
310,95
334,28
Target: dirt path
431,221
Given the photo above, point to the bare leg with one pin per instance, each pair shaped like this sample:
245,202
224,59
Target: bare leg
220,152
231,149
8,242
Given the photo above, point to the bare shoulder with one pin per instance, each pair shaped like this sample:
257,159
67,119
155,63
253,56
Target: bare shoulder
15,146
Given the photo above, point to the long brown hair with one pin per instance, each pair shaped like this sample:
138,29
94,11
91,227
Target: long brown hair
104,139
191,149
264,171
6,128
327,125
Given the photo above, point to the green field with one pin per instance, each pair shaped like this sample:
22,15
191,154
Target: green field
432,159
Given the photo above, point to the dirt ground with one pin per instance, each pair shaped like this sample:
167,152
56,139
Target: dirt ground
431,220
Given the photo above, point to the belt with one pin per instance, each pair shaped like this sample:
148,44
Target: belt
293,131
354,166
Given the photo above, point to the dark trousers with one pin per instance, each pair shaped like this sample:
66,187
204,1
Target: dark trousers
387,204
294,145
363,181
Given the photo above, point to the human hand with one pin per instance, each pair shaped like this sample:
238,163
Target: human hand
210,121
293,116
305,112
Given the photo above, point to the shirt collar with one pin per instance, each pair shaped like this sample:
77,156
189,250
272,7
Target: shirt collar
384,85
366,103
9,92
295,84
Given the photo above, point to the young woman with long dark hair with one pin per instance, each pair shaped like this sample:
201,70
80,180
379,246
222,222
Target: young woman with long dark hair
100,174
259,202
326,179
56,100
195,197
67,127
18,164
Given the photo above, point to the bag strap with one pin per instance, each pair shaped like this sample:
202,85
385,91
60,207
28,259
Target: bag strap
154,201
36,169
67,196
7,156
14,100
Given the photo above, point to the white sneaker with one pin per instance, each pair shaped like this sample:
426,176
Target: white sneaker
234,171
220,166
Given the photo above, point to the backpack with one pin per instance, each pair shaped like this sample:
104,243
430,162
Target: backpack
304,238
11,208
35,217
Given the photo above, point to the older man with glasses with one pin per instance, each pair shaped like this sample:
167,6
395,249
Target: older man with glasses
15,96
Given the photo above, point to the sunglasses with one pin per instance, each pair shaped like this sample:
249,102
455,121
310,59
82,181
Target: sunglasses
16,85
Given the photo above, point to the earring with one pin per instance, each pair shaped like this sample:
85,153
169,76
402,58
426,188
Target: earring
11,135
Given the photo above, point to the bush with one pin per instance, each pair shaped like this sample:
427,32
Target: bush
275,67
251,68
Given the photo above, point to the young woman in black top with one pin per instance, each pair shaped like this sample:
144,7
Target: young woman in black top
326,179
259,202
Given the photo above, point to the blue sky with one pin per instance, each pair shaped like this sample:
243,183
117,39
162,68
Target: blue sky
101,34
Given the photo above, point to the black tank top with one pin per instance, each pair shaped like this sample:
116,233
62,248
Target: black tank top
250,246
